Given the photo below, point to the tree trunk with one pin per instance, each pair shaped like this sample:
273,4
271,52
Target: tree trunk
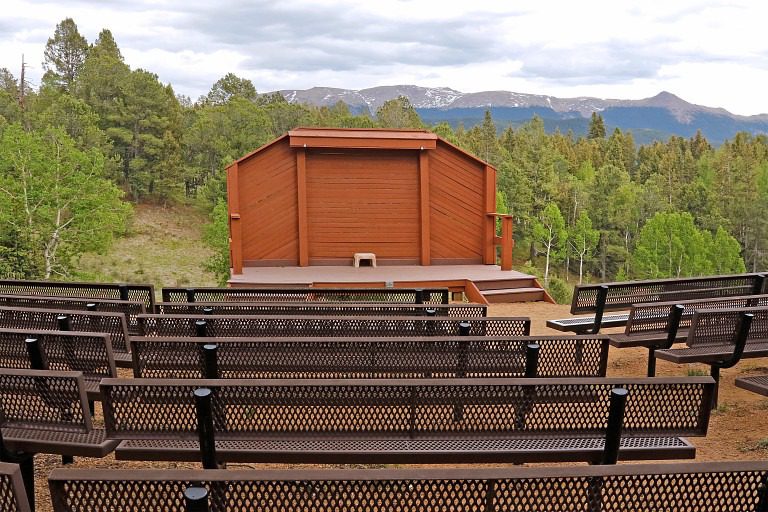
581,266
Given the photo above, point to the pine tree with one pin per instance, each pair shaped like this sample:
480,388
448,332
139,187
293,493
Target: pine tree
596,127
64,54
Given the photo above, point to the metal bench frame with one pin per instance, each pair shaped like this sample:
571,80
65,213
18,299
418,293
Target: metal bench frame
322,309
144,293
362,295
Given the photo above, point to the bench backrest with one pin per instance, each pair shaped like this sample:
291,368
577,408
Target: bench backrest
89,353
322,326
689,487
141,408
321,309
276,294
144,293
393,358
129,308
113,324
654,317
621,295
719,327
44,400
13,495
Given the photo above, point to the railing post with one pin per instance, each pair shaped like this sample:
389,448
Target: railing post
531,360
196,499
64,323
190,294
602,296
201,328
464,328
419,296
210,361
36,360
615,424
123,291
507,242
205,429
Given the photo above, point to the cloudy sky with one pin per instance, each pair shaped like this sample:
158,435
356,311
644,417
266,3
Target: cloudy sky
713,53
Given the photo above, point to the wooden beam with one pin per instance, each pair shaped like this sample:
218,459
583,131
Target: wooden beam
235,227
425,207
489,200
507,243
301,206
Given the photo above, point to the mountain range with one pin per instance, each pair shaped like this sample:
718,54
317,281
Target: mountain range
649,119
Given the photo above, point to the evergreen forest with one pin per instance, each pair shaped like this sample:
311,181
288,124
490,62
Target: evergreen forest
96,137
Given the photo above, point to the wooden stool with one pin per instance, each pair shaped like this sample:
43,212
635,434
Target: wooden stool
364,256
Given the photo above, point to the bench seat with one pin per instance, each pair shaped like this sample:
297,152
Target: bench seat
712,353
90,444
582,324
756,384
311,449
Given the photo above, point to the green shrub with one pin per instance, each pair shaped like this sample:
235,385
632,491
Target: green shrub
561,291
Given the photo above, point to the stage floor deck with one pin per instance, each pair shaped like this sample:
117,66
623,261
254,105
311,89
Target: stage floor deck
380,275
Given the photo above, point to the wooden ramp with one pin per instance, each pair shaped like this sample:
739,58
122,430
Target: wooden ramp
480,283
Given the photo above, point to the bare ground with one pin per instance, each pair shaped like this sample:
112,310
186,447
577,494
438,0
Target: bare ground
737,430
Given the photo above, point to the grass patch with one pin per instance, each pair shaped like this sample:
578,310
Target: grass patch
760,445
696,372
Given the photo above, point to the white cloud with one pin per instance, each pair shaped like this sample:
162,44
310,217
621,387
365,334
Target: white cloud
710,52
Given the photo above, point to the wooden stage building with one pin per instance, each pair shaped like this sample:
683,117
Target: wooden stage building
303,206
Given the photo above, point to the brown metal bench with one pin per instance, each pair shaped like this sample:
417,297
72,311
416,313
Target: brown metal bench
129,308
276,294
13,495
45,411
721,338
36,319
431,421
231,326
86,352
345,358
649,325
680,487
620,296
144,293
322,309
754,383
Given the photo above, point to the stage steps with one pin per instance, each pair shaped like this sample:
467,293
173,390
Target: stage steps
512,290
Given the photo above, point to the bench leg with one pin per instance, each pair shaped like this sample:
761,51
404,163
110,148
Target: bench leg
27,468
67,459
651,362
715,373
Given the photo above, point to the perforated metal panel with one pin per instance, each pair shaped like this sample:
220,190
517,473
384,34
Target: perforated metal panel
64,351
246,409
12,494
321,309
622,295
342,358
113,324
282,326
705,487
399,295
43,400
655,317
143,293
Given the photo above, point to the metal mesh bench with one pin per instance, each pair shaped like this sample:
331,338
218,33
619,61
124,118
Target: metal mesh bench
649,325
345,358
755,383
89,353
322,309
721,338
323,326
129,308
113,324
619,296
431,421
13,496
681,487
144,293
44,411
398,295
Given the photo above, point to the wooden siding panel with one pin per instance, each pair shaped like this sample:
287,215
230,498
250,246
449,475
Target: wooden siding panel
268,208
363,201
457,205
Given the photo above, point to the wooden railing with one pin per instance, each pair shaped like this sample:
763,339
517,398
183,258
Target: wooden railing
506,241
